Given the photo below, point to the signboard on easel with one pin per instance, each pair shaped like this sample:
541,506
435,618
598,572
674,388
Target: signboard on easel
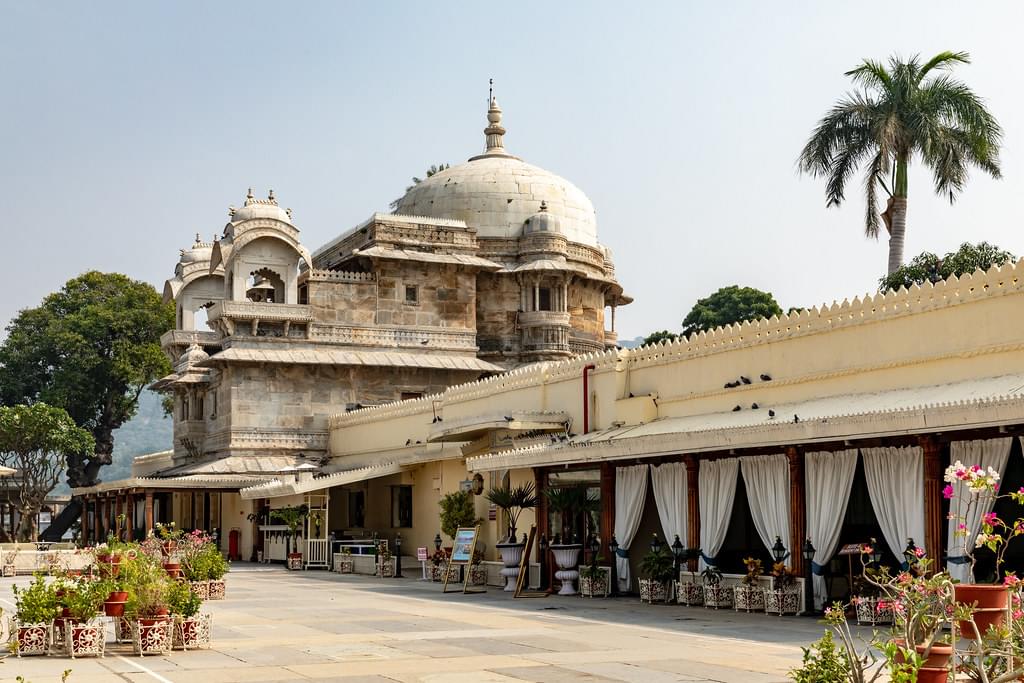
523,579
462,555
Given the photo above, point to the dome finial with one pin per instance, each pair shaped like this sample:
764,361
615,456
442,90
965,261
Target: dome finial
494,132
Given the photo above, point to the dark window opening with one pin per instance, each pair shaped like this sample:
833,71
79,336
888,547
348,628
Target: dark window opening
401,507
411,294
545,299
356,509
406,395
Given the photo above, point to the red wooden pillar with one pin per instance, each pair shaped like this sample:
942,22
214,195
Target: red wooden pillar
932,453
149,512
692,505
797,509
607,505
85,521
129,528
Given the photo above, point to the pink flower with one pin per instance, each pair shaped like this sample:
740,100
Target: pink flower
947,492
919,552
961,526
989,518
867,550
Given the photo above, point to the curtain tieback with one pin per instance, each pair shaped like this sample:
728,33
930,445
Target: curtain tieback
622,552
708,560
958,559
817,569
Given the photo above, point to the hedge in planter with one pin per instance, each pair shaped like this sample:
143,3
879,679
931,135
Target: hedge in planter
35,610
658,566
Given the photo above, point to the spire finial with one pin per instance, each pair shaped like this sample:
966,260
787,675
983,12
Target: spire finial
490,91
270,197
199,240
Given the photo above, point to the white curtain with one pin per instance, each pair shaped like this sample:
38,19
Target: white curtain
630,492
716,482
669,485
829,479
987,453
896,487
767,480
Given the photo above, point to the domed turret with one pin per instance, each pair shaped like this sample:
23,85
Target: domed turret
542,221
260,208
193,354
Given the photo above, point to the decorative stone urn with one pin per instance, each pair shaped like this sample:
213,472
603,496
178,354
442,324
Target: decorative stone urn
511,554
567,557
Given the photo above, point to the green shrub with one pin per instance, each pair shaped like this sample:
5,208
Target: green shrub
182,600
457,511
36,604
822,661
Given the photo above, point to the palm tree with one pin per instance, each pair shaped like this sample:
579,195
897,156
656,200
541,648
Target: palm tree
513,500
899,113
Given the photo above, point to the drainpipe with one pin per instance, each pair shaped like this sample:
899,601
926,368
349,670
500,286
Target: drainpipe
586,397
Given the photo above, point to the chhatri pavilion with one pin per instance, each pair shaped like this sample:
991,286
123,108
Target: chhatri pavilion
460,343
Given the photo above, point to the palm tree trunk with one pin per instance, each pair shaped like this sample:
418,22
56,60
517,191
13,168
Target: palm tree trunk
899,230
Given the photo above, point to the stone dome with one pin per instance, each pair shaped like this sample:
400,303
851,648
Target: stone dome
260,208
496,193
198,252
193,354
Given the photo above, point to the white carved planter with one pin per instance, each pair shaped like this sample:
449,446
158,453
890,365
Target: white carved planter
10,570
31,639
478,575
868,611
689,593
153,636
343,564
717,596
652,591
596,587
748,598
217,589
82,640
192,633
567,557
294,561
781,602
200,588
511,554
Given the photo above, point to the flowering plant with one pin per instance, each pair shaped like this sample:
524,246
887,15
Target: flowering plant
980,487
754,571
782,576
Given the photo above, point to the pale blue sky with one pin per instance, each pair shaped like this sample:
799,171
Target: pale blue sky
128,127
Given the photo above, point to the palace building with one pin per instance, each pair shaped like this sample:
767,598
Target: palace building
460,344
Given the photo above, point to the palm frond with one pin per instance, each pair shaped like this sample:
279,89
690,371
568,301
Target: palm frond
875,175
870,74
944,60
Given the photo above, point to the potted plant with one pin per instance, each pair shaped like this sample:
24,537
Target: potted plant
967,488
715,594
191,629
293,517
594,578
35,609
385,562
659,569
7,565
869,607
477,571
512,501
343,563
438,563
689,592
749,596
782,598
83,634
568,503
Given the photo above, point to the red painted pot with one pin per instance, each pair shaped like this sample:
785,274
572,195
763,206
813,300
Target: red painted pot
938,658
169,547
990,606
109,565
930,674
173,569
113,606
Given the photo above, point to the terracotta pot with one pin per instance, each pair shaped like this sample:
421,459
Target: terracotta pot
929,674
113,606
169,547
990,601
110,564
173,569
938,658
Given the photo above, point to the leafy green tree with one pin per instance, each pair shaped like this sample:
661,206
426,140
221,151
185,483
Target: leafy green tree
727,306
433,170
900,112
927,267
37,441
660,336
457,511
91,349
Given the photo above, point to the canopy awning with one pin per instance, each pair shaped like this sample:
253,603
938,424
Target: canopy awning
970,404
470,428
346,357
223,482
288,486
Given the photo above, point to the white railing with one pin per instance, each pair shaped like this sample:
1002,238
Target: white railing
317,553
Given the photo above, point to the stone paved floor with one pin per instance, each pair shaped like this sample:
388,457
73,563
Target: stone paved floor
315,626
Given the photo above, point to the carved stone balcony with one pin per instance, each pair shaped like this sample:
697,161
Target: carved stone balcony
420,338
544,318
252,310
186,338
